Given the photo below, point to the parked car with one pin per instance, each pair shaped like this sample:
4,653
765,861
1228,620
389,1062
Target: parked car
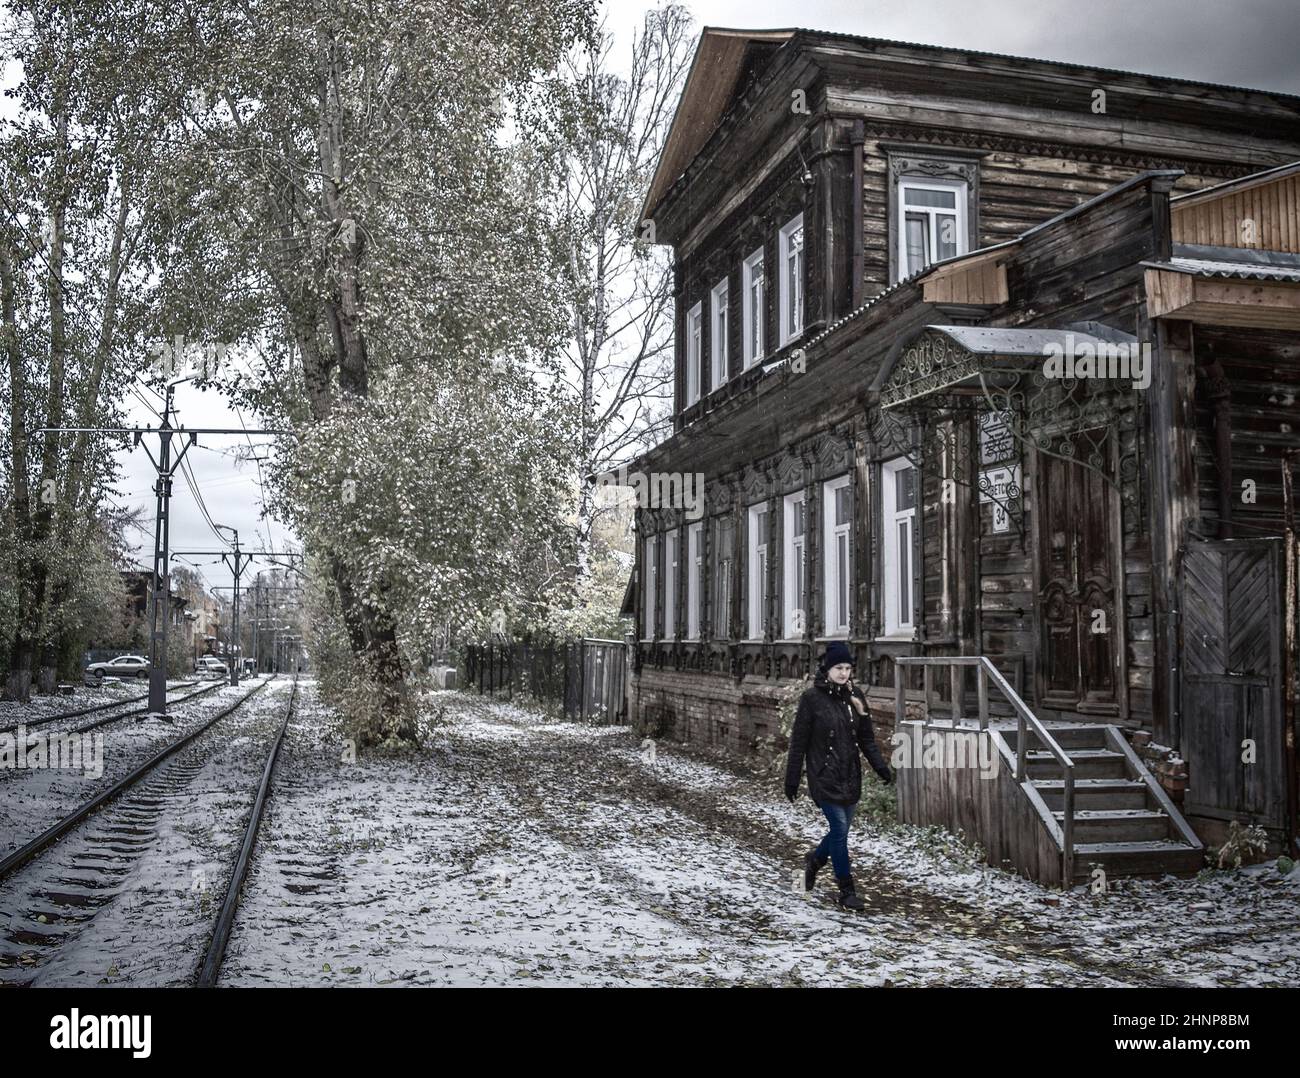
211,665
122,666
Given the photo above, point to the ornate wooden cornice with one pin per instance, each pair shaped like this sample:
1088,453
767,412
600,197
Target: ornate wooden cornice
974,141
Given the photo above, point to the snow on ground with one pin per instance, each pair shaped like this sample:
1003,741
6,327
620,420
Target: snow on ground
33,798
514,850
114,689
130,897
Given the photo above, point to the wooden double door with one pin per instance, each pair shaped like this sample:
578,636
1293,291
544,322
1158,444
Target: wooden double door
1079,586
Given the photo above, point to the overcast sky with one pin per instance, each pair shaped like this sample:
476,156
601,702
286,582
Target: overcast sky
231,488
1237,42
1244,43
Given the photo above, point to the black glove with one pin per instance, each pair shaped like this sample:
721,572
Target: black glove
792,792
886,776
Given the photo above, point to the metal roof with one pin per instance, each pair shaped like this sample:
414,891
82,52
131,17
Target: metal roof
1000,341
1241,271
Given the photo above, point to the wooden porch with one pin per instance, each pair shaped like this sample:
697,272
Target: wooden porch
1054,801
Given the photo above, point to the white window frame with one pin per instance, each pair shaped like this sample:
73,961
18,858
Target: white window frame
794,557
755,294
898,587
791,262
719,299
694,576
756,599
831,582
648,552
694,351
723,599
671,543
929,183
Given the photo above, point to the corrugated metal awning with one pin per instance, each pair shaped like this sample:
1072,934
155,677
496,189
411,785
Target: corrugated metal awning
1233,270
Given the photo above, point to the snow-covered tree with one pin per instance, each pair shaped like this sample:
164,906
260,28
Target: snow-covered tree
358,197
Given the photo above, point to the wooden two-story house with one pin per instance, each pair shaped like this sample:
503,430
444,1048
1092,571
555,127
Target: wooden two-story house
988,366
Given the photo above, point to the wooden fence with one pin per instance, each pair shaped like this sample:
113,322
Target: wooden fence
585,678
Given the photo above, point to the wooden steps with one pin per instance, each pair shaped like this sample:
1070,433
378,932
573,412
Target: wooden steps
1162,858
1088,764
1092,794
1123,822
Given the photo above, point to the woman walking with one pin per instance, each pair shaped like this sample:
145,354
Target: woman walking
830,727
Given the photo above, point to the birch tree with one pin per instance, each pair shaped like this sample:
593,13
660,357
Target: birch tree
78,233
618,289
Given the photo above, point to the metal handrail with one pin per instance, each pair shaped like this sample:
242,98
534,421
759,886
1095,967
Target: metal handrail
986,673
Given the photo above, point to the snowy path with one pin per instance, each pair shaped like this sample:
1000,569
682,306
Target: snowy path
516,851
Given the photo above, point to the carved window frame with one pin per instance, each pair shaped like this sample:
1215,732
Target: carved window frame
930,165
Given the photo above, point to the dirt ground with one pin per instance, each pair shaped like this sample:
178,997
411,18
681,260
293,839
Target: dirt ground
514,850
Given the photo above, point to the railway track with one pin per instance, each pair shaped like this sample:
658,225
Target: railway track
71,898
210,970
41,720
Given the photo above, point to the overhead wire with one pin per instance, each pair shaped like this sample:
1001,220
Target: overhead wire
198,498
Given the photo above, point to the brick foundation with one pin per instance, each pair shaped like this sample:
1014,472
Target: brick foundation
716,711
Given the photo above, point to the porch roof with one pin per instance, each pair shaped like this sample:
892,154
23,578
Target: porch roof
1233,268
1231,287
963,357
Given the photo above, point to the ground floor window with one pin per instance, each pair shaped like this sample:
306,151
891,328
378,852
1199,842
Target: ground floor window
723,564
648,552
694,573
898,496
794,598
670,584
757,591
837,564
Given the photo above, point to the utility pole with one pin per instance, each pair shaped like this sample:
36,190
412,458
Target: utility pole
236,561
257,666
160,613
165,466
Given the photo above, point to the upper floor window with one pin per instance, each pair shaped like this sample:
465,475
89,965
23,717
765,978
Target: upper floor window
718,303
753,308
694,352
758,533
932,216
898,526
790,250
794,612
837,554
694,575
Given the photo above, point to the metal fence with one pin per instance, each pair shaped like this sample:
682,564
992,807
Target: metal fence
586,679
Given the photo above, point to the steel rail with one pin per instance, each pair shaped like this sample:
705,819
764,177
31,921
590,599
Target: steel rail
41,720
28,852
216,953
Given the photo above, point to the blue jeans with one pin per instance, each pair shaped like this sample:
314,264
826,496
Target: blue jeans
836,843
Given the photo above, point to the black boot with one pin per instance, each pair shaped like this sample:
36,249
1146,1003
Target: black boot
811,864
848,897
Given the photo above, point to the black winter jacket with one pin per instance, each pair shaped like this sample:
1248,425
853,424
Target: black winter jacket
828,733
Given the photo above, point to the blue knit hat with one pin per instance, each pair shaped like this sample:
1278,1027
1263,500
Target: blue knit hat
836,652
